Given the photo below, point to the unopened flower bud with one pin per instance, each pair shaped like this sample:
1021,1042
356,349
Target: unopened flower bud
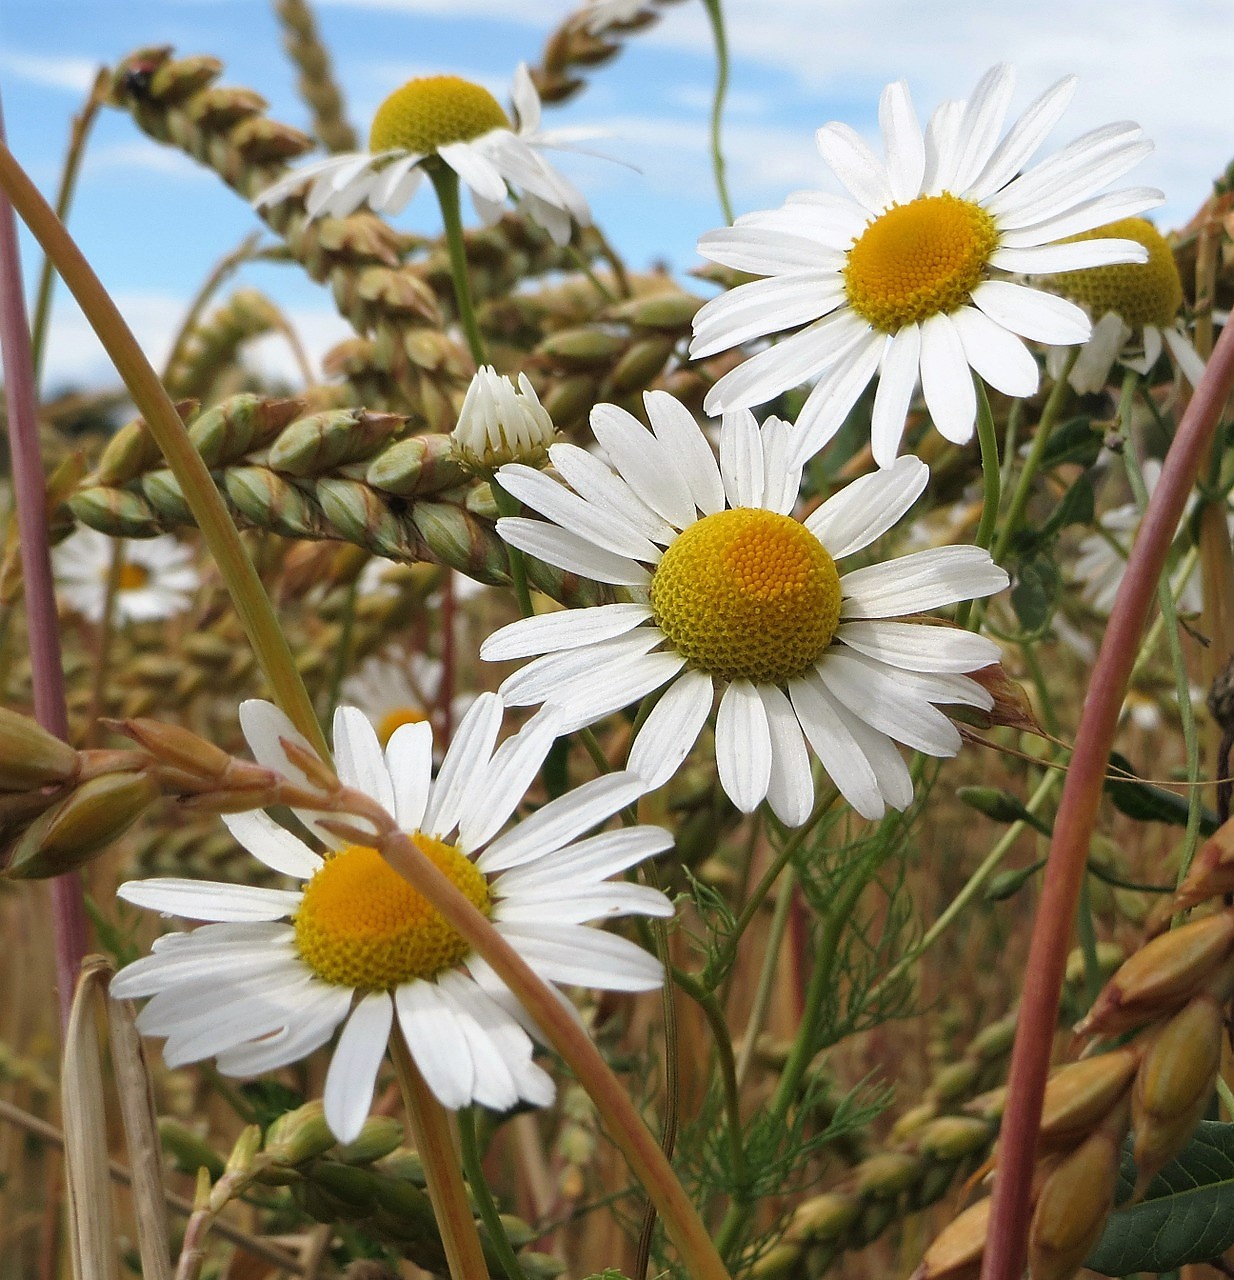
95,814
297,1136
379,1136
498,424
30,756
1163,974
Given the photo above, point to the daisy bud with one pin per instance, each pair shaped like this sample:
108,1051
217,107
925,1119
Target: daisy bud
379,1136
1159,977
499,424
30,756
297,1136
97,812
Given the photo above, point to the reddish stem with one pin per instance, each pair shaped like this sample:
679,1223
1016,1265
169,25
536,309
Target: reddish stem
1006,1244
30,494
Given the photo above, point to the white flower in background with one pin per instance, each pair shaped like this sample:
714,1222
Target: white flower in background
907,279
451,120
398,687
499,423
1102,559
1136,307
277,970
158,578
728,591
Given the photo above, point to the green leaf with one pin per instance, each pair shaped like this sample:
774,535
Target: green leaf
1035,593
1077,507
1002,806
1073,441
1147,803
1186,1216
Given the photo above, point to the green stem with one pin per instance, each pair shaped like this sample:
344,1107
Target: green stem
430,1130
767,975
248,595
343,657
489,1215
1088,944
508,505
1036,451
715,11
445,183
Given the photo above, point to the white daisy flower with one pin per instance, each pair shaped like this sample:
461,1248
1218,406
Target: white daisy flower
907,279
500,423
277,970
157,578
727,590
399,686
451,120
1136,308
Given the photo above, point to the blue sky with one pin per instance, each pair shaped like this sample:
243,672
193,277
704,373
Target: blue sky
153,223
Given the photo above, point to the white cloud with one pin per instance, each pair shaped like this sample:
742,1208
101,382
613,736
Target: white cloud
70,73
150,157
531,13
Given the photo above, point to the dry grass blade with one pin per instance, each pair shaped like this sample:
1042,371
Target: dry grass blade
142,1137
85,1126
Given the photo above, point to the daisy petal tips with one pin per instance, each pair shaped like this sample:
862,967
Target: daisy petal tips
906,278
275,972
731,596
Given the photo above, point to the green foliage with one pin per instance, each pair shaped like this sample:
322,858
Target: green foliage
1186,1216
1147,803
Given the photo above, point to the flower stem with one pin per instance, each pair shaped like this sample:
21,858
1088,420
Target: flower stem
489,1215
248,595
30,497
1007,1238
715,11
430,1130
445,183
508,505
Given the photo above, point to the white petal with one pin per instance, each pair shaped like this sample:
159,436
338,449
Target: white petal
1023,139
479,172
272,844
561,820
570,904
584,862
469,753
436,1042
997,356
409,758
946,382
781,475
208,900
1075,256
921,581
562,674
984,114
353,1068
322,1010
644,463
591,479
903,142
395,185
831,401
743,746
790,791
942,144
671,729
603,529
1031,313
741,458
1096,357
857,167
567,629
764,306
358,757
865,509
1186,355
623,686
570,552
836,748
895,783
498,790
897,380
575,955
680,434
765,251
477,1017
1094,212
915,646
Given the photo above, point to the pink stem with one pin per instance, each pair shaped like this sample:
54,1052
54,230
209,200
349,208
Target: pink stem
30,493
1006,1243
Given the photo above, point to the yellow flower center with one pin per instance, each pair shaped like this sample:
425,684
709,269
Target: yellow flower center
433,111
133,576
919,260
747,594
360,924
1139,292
396,718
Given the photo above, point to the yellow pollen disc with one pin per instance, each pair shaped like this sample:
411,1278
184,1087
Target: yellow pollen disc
747,594
1139,292
432,112
133,576
918,260
360,924
396,718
